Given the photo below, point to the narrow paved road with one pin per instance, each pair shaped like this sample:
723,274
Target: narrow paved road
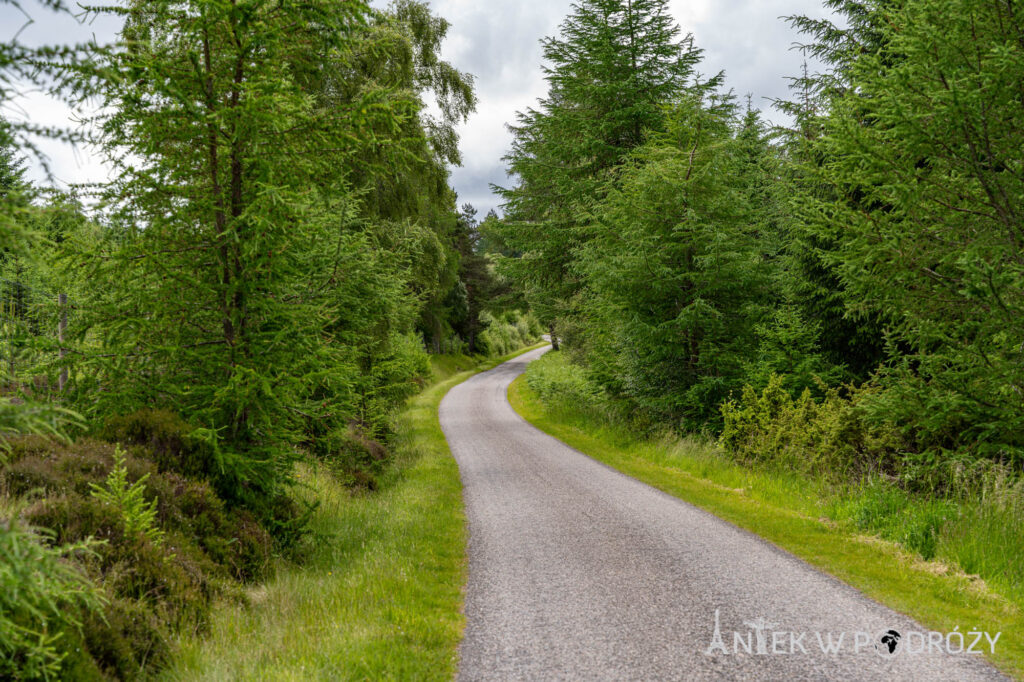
579,572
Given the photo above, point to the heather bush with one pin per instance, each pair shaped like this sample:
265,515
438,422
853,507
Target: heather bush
166,438
163,544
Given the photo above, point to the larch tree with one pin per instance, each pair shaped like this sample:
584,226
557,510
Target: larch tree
230,223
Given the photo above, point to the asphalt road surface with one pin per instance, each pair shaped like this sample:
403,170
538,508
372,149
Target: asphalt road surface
578,572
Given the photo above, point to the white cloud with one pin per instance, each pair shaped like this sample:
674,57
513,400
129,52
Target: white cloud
690,13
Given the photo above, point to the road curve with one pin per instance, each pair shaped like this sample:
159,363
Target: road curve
579,572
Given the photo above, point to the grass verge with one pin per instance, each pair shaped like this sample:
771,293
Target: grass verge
789,511
380,595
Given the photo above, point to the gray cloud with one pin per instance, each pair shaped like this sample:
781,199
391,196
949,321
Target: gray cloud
499,43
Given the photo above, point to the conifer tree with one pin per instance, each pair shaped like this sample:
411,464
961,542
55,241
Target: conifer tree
848,338
231,222
12,165
610,72
476,285
676,273
922,154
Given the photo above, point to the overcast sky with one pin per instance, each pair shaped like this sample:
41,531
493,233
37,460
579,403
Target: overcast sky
498,41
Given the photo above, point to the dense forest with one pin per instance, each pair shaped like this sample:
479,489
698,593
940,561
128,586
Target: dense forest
709,271
279,252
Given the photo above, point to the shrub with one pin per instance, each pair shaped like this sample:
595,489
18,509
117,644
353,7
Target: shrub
560,382
166,438
231,538
536,329
357,459
503,334
152,590
35,465
563,383
164,543
831,438
126,637
393,377
953,505
165,444
943,425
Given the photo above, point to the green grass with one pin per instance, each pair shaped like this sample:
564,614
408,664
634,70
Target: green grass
792,512
380,596
447,366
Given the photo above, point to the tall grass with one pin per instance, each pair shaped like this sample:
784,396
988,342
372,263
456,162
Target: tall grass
986,537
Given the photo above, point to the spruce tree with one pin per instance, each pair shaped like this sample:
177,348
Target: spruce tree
610,72
922,155
851,335
676,275
475,279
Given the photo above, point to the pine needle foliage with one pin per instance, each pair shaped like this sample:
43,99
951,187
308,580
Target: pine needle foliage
232,221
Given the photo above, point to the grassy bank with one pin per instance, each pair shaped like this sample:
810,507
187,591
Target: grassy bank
798,514
380,596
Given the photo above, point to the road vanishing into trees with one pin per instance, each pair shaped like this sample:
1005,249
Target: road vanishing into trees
577,571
